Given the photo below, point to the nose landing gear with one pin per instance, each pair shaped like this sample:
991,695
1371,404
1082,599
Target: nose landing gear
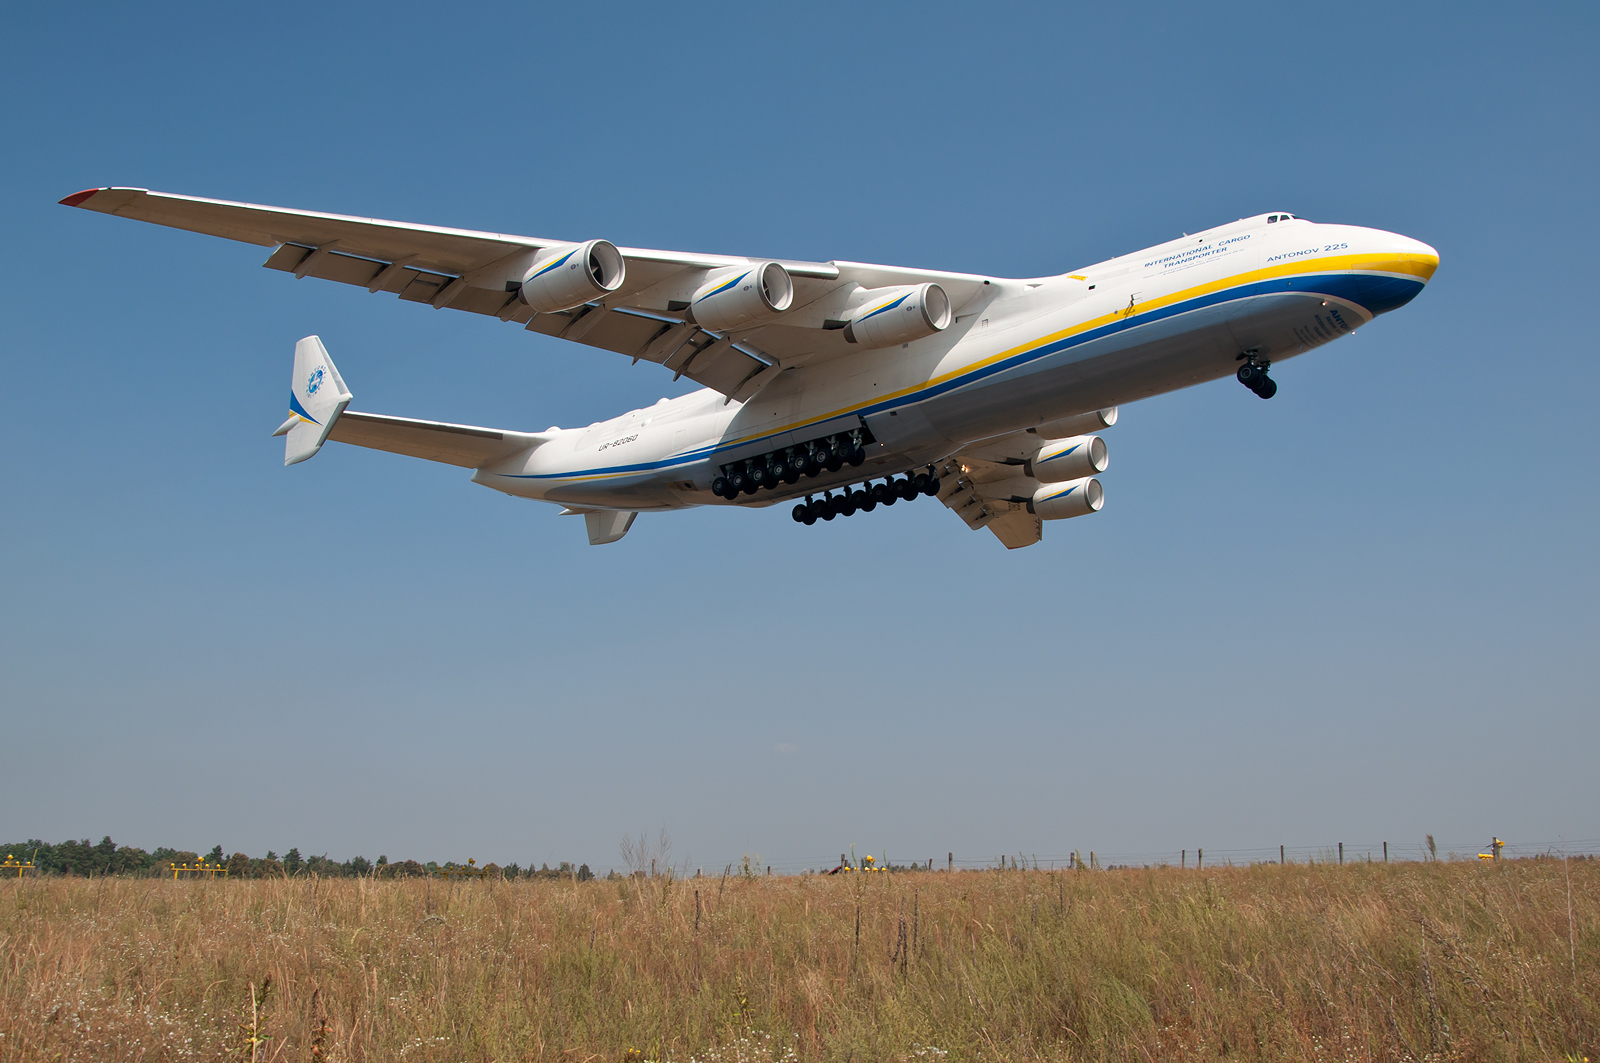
1253,375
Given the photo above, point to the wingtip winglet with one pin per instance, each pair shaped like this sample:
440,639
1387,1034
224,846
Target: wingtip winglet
77,199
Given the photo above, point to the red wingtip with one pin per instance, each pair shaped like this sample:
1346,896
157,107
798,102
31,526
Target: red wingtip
77,198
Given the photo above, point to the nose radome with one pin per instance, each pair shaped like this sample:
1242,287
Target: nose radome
1423,258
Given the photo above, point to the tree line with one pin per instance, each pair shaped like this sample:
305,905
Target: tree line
80,857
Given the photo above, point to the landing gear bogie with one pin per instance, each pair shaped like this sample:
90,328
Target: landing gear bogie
1253,375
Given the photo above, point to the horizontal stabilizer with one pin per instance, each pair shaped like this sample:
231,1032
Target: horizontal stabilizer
466,445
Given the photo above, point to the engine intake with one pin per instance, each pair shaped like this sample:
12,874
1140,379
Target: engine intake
738,296
1071,499
899,315
1068,459
573,274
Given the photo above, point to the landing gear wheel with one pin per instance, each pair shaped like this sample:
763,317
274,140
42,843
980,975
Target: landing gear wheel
861,501
829,508
1248,374
719,487
800,512
1267,388
932,487
857,456
906,488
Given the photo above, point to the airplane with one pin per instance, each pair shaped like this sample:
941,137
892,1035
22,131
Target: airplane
837,386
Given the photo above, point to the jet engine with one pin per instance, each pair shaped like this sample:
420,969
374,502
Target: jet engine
899,315
737,296
573,274
1068,459
1071,499
1077,425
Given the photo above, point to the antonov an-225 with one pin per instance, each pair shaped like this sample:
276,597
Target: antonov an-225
835,386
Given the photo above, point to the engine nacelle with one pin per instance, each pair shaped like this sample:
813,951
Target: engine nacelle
1071,499
1068,459
573,274
1077,425
899,315
737,296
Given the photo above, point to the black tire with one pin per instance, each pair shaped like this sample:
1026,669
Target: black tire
793,476
879,494
800,513
847,505
836,463
736,484
1267,388
813,466
906,488
779,471
919,486
1248,374
857,456
862,501
758,476
719,487
932,488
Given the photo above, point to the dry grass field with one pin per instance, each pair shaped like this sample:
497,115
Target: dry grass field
1382,962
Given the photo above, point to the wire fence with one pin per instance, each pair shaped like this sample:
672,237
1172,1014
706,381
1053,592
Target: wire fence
1200,856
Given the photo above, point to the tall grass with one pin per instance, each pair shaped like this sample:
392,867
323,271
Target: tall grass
1415,961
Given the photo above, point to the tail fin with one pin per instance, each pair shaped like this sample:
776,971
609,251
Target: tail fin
317,396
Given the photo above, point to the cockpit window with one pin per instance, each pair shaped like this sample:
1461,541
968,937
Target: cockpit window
1271,218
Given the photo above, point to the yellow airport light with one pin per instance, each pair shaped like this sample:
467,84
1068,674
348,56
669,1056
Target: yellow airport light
198,868
11,862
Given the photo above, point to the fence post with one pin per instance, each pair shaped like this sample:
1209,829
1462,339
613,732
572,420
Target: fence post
1183,859
1280,856
950,861
1199,858
1386,852
1341,853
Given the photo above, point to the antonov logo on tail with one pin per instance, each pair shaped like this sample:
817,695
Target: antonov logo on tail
983,394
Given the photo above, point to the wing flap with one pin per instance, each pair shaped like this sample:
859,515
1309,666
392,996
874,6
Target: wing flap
981,492
453,444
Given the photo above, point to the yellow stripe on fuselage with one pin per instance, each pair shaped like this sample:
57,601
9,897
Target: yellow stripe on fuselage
1421,267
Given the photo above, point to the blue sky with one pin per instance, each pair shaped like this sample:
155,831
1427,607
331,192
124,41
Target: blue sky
1365,610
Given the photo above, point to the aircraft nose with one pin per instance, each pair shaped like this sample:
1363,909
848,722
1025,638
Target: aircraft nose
1418,258
1390,271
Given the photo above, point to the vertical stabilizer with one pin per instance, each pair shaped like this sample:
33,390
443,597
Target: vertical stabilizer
317,396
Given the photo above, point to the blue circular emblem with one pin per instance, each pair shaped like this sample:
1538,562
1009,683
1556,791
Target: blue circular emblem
314,381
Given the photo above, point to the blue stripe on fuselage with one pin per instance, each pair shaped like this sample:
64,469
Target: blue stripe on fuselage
1375,294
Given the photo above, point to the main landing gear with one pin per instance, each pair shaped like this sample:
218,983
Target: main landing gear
866,497
787,466
1253,375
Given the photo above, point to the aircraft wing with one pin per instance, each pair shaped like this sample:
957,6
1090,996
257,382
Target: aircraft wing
463,269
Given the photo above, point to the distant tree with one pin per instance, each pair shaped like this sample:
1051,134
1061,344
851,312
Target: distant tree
267,868
292,862
270,855
584,874
408,868
238,866
358,865
215,856
383,861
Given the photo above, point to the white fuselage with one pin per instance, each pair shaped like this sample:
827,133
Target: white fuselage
1021,353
